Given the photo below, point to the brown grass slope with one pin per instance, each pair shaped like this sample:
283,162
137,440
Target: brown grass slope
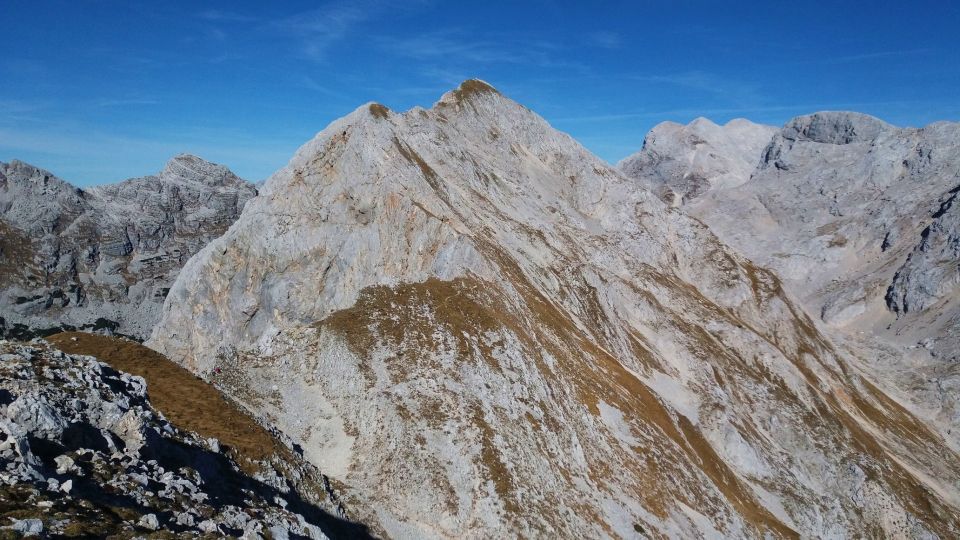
184,399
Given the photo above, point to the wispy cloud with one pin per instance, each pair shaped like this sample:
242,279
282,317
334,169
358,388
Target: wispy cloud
125,102
224,16
606,39
877,55
19,106
316,30
660,114
311,83
735,91
453,48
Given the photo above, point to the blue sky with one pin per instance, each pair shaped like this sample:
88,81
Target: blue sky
99,91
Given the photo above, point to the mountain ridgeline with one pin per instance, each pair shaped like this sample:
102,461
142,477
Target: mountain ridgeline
478,328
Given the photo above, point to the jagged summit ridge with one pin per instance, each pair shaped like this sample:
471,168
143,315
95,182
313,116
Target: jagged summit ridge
193,168
478,328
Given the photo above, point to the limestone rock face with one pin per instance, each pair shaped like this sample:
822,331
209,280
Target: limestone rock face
858,217
104,258
681,163
479,329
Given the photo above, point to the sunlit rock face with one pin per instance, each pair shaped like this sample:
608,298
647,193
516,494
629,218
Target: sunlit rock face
682,163
480,329
104,258
859,219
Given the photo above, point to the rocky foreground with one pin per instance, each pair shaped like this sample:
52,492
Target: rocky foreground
83,453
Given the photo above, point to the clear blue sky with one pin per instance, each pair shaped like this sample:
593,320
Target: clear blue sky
98,91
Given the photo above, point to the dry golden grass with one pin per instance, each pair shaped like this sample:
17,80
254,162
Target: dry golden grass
379,111
472,87
185,400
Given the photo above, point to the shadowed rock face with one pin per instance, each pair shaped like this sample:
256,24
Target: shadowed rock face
859,218
104,258
480,329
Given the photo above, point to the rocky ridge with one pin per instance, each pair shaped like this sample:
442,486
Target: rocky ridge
478,328
858,217
104,258
83,453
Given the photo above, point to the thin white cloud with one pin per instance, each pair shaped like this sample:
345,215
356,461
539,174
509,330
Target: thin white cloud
455,49
877,55
126,102
224,16
606,39
317,29
736,92
668,114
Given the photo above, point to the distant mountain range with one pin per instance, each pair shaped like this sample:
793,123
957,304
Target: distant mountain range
104,258
476,328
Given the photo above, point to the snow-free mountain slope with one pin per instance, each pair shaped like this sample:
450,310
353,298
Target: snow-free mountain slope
478,328
104,258
859,218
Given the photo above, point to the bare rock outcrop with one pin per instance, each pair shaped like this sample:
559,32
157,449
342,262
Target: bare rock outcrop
681,163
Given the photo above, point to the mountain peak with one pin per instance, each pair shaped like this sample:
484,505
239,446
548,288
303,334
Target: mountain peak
33,179
188,167
835,127
702,121
468,91
467,286
681,163
378,110
471,88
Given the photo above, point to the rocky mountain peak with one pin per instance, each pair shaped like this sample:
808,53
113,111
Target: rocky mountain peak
478,328
190,168
29,180
859,218
835,127
468,90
